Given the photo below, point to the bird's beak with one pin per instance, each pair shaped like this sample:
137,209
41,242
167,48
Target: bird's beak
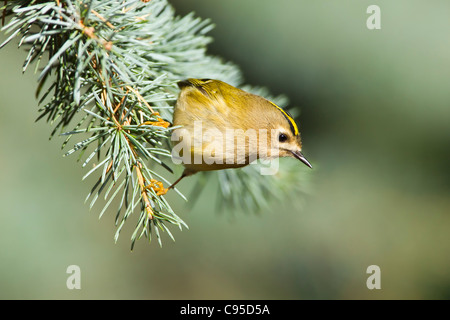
298,155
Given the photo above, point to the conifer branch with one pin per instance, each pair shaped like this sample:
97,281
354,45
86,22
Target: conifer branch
110,80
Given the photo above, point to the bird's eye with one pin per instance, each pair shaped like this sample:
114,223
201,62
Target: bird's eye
282,137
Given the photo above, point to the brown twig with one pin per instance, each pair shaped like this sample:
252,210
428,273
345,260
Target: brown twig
4,13
138,95
89,31
141,181
98,15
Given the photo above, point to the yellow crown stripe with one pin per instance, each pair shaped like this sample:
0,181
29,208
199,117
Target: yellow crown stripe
293,124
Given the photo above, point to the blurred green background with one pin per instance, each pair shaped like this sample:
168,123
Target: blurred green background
375,118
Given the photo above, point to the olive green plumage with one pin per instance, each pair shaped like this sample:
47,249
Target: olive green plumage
213,115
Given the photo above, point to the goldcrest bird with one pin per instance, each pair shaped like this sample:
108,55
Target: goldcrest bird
222,127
